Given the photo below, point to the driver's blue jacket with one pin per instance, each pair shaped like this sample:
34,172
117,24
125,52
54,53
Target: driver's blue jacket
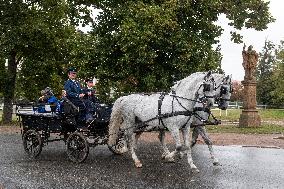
72,89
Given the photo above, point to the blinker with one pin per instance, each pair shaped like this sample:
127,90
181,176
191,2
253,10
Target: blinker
206,87
223,90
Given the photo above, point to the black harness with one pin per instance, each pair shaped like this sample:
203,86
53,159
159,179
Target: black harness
185,112
206,87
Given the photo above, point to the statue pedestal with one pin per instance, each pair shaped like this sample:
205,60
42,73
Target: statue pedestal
249,116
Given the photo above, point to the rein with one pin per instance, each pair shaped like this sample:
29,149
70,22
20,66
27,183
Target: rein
187,112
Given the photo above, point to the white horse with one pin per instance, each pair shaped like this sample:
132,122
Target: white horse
174,113
202,116
222,93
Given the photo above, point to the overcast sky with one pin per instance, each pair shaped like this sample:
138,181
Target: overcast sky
232,53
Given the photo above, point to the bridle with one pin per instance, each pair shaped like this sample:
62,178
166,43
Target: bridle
223,90
206,88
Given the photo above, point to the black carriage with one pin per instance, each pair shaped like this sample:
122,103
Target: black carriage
38,129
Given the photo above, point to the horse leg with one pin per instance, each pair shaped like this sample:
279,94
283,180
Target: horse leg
186,135
209,143
131,139
137,136
175,134
193,142
162,135
132,145
195,134
182,151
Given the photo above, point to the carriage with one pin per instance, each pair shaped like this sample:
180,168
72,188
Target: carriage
119,126
38,129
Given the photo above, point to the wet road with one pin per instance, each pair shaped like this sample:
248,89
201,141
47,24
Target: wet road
241,168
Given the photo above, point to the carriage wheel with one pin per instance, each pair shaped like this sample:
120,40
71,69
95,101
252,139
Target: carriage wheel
77,147
120,146
32,143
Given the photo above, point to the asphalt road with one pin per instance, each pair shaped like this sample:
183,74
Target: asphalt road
241,168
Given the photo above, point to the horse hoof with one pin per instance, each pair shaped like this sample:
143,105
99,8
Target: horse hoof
180,155
169,159
164,155
194,170
123,150
138,164
216,163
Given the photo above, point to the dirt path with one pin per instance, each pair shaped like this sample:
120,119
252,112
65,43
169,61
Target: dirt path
222,139
255,140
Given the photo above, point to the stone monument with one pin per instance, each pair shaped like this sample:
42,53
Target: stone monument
249,116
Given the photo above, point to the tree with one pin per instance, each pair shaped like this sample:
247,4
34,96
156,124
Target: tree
263,74
277,78
35,38
237,94
51,71
146,45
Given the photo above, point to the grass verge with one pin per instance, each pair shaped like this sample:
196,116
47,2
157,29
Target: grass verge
263,129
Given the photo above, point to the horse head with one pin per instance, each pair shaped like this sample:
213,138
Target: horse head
223,92
206,93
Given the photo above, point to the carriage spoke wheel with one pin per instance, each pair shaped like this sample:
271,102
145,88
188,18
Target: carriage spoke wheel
119,147
77,147
32,143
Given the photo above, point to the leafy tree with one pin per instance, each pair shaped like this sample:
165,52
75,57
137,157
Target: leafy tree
263,74
36,37
145,45
277,94
2,70
51,71
237,94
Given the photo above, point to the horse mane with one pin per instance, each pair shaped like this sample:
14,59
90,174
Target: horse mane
218,78
186,79
195,77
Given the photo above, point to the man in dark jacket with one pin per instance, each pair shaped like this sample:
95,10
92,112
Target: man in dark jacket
74,93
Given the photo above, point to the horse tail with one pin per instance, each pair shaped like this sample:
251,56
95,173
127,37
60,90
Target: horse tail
116,120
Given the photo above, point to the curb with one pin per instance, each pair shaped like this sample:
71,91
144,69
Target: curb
256,146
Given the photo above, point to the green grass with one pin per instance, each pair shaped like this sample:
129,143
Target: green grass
233,115
14,118
263,129
265,114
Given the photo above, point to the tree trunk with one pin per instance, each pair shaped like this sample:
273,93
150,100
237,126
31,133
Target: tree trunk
9,88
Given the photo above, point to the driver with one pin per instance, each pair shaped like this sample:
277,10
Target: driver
74,93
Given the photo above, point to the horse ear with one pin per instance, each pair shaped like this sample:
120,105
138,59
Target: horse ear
228,78
208,75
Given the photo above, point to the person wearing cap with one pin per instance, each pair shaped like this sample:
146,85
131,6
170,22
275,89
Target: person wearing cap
89,91
48,98
89,99
74,93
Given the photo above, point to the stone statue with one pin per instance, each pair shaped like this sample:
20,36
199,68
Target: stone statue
250,59
249,116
